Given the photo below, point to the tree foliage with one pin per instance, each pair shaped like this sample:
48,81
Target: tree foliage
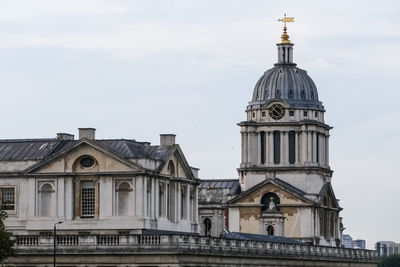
390,261
6,242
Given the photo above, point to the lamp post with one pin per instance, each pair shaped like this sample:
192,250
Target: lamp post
55,242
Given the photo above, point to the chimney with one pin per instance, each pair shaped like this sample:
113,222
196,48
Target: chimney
167,139
88,133
65,136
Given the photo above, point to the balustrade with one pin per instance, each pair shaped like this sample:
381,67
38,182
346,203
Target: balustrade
195,243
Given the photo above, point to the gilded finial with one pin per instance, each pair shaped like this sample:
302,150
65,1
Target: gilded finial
285,36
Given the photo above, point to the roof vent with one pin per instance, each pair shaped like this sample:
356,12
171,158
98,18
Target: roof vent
167,139
65,136
89,133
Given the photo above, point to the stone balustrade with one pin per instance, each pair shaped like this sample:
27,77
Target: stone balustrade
187,243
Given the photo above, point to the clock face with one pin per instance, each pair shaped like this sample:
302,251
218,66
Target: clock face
277,111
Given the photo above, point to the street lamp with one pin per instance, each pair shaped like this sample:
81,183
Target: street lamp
55,242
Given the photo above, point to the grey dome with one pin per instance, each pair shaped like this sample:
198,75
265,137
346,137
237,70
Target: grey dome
289,83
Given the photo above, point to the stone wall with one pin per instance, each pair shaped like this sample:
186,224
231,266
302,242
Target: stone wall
178,250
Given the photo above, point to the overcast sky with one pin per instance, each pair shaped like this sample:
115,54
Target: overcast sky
135,69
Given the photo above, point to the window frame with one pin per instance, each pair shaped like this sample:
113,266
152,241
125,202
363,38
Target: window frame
78,198
12,212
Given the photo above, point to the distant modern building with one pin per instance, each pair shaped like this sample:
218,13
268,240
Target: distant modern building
349,242
386,248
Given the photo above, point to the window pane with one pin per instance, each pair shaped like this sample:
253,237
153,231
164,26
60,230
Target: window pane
262,148
8,198
88,199
277,147
292,145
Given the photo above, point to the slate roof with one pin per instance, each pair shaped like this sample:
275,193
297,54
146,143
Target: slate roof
262,238
231,184
38,149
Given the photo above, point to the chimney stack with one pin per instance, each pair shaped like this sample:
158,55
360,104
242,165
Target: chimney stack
65,136
167,139
88,133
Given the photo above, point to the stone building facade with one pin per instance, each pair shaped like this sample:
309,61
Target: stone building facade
97,186
284,174
128,203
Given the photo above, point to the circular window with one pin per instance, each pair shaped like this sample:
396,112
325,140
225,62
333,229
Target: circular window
87,162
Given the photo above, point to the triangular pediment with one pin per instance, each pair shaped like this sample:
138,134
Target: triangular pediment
287,194
176,165
327,197
69,160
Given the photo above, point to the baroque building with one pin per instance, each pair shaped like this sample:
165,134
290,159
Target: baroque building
125,203
96,186
284,175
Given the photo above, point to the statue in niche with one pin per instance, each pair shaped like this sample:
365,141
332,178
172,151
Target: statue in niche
271,206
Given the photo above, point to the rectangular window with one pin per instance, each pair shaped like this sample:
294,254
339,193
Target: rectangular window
262,148
277,147
292,147
291,113
7,198
88,199
263,114
305,113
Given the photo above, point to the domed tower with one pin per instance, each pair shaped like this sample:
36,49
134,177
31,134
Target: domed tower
284,172
285,134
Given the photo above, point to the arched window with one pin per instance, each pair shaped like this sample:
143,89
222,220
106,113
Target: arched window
46,202
270,230
266,202
207,224
171,168
124,190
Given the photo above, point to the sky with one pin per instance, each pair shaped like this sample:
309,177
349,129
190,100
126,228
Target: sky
135,69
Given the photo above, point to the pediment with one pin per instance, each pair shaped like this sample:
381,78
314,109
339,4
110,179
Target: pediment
327,197
69,160
286,194
175,165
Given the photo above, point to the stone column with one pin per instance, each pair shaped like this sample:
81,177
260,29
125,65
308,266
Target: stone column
246,148
303,135
259,148
188,202
314,146
242,146
296,148
144,197
327,150
322,149
156,199
178,202
139,195
309,147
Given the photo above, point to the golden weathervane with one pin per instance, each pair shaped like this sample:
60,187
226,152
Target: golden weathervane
285,36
